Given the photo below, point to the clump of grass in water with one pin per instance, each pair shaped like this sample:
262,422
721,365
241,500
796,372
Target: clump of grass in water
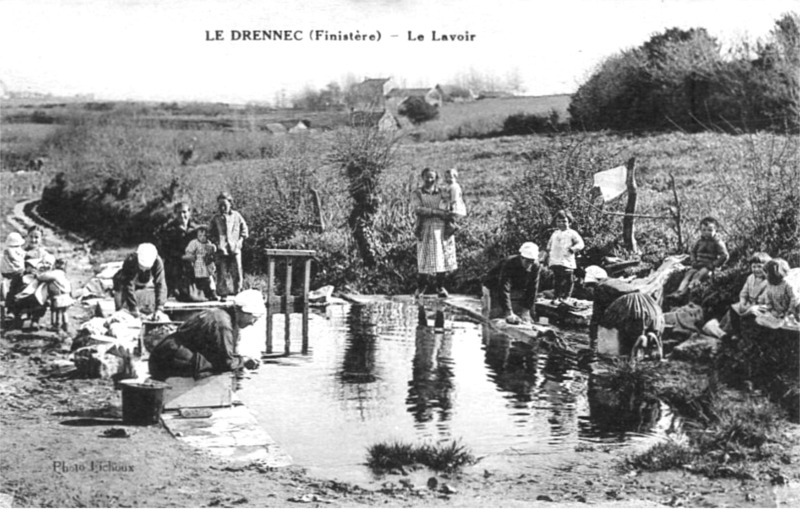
440,457
445,458
663,456
386,456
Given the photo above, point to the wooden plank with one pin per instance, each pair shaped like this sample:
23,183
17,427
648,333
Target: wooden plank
577,317
291,252
171,305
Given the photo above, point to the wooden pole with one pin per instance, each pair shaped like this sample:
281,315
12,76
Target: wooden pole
676,213
306,288
318,209
286,309
628,233
270,289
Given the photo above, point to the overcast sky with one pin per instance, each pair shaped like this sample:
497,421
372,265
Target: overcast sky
157,50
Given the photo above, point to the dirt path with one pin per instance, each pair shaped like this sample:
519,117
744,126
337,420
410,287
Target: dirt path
54,453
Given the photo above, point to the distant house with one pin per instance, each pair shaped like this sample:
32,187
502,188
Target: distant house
369,95
388,122
301,127
276,128
434,96
383,120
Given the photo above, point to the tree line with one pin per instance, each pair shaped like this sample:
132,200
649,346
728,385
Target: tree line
682,79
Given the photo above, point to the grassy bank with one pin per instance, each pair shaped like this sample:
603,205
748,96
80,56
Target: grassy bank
15,188
118,182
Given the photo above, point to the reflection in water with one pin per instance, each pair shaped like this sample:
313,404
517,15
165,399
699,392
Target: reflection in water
513,365
562,383
359,371
431,385
502,396
359,354
615,411
535,380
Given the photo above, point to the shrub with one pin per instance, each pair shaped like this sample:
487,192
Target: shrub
522,124
767,191
363,154
560,178
418,110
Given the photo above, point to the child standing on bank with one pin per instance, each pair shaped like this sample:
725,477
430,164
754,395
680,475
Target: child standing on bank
452,201
12,267
228,231
708,253
201,253
561,249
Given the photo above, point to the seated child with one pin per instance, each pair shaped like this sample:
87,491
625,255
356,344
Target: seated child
12,267
452,201
561,249
201,253
47,283
34,251
58,284
752,296
754,290
708,253
781,299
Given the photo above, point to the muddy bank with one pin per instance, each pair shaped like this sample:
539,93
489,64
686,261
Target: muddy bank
55,454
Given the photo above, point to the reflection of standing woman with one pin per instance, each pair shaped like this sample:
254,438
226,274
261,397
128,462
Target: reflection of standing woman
436,255
431,387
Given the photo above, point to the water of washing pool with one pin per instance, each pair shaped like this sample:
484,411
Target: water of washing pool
383,372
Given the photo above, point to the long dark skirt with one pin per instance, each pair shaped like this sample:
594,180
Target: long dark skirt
169,358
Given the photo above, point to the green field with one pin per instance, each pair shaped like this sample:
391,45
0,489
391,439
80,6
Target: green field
39,119
487,115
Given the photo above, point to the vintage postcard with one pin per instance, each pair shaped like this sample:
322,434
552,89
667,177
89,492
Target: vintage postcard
361,253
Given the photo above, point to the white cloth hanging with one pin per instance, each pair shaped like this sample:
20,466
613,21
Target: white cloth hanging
611,182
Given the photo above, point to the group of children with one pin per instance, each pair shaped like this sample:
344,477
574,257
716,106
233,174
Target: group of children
32,277
202,261
766,290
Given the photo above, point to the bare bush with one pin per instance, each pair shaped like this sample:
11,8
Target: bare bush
363,154
767,193
560,178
